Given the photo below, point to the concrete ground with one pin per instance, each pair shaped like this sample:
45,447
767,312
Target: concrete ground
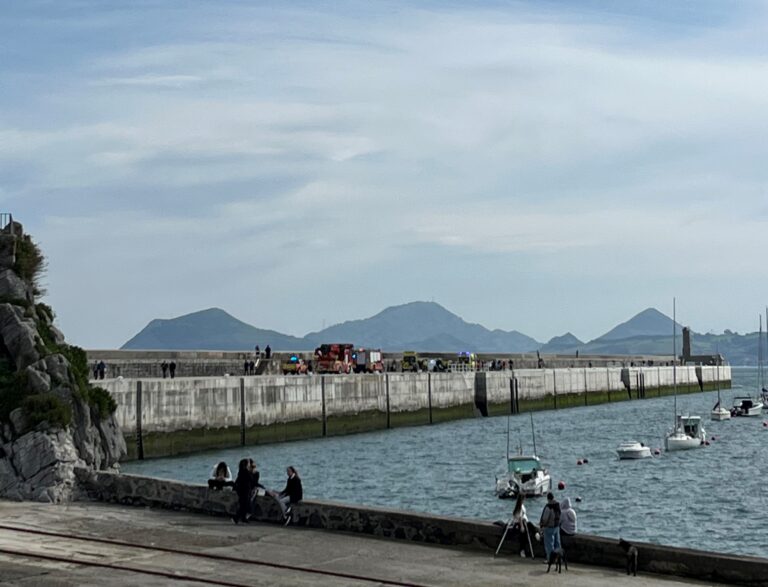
298,547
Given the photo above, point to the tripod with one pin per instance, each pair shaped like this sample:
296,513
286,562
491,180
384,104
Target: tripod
517,514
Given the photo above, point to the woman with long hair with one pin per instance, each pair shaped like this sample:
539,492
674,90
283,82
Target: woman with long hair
243,488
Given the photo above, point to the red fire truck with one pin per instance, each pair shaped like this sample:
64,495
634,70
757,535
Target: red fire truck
368,361
334,358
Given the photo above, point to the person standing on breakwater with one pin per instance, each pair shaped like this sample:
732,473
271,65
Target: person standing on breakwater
164,369
243,487
172,369
267,352
567,523
292,494
550,525
257,351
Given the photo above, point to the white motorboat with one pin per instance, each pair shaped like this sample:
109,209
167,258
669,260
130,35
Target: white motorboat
526,476
746,406
633,450
688,433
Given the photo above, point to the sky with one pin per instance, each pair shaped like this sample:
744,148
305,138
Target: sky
539,166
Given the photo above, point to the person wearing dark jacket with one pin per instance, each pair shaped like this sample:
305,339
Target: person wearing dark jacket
550,525
292,494
243,487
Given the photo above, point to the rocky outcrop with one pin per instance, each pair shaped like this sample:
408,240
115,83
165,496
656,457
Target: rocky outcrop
51,420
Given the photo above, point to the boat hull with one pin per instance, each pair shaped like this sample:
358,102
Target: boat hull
511,487
720,415
682,442
632,451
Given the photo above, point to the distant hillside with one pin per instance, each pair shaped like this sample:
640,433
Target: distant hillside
649,322
558,344
211,329
426,326
419,323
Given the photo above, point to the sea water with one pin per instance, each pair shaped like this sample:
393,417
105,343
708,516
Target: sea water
711,498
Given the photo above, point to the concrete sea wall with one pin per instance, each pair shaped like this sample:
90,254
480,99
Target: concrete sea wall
161,417
402,525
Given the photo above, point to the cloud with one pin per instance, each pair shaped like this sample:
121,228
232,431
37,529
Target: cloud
283,149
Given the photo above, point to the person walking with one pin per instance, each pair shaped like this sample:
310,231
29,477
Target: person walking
567,523
164,369
172,369
243,488
267,352
550,525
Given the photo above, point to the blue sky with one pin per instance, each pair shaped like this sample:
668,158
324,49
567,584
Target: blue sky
539,166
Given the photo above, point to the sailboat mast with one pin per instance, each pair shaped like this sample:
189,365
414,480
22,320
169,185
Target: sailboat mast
674,354
507,437
760,353
717,351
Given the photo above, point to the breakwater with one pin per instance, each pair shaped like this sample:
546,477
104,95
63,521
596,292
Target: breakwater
423,528
162,417
191,363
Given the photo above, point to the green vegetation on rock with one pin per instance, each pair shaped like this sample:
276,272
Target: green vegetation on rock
30,263
46,407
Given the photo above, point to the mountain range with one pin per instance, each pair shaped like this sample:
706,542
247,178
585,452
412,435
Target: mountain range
427,326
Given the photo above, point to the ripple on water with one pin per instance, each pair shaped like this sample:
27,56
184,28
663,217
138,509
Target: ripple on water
704,498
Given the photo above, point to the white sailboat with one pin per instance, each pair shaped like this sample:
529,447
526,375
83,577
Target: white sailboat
525,474
745,406
719,413
688,431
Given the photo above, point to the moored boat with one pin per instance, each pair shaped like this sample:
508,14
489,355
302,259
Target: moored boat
688,433
633,450
525,475
746,407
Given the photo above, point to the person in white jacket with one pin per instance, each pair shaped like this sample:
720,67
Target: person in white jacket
567,521
221,477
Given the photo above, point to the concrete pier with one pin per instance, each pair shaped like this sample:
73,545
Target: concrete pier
298,550
162,417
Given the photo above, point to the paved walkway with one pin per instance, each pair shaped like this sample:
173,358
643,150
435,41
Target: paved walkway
296,547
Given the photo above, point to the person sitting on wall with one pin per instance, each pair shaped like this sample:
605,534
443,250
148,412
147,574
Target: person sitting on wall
221,477
292,494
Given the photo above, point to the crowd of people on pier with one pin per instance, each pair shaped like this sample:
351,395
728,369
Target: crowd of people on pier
247,486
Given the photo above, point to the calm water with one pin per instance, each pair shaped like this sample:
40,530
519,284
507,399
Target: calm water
713,498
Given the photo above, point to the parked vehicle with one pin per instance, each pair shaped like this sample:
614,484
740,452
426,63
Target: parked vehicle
334,358
411,362
294,366
368,361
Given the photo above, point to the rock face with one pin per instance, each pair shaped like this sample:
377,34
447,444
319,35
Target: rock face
51,420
